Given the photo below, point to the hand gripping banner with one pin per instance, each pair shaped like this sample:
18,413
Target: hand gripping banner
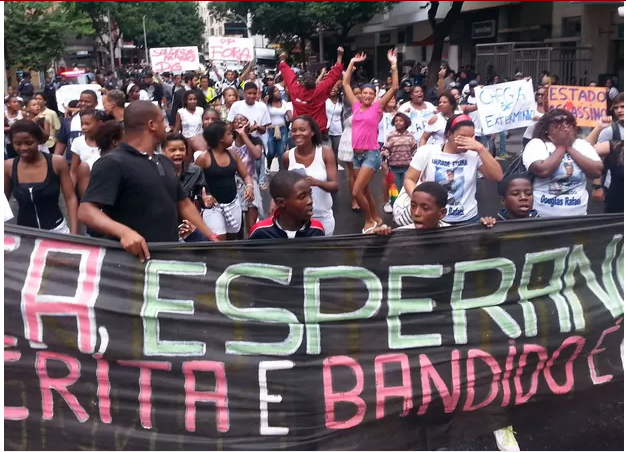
355,342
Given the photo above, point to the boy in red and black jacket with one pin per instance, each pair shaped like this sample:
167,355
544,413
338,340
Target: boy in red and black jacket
294,207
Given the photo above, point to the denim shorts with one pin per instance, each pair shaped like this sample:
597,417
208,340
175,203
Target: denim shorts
371,159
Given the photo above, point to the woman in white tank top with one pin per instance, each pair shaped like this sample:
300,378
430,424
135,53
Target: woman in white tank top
189,118
318,162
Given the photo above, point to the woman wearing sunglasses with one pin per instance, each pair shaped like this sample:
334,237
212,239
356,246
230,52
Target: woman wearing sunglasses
561,164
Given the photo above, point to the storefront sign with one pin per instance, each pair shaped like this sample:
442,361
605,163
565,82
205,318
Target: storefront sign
484,30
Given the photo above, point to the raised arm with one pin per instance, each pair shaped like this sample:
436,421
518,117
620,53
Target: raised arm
347,77
288,75
334,75
245,73
395,82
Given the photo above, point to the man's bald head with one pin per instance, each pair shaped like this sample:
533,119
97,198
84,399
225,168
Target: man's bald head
138,114
143,116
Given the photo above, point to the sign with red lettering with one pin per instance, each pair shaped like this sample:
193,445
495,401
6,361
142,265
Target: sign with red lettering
368,343
231,49
586,103
174,59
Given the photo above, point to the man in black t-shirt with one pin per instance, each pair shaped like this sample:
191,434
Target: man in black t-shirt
134,194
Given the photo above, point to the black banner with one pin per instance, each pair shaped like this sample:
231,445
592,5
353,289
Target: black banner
354,342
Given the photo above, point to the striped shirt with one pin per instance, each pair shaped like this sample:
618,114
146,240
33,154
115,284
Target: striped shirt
401,147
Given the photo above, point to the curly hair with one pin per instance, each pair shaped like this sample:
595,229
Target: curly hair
543,125
448,95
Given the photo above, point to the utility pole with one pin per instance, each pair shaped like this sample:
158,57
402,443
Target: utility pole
145,41
111,50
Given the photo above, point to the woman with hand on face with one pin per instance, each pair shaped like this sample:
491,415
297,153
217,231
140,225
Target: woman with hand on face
367,114
320,166
561,164
453,164
220,164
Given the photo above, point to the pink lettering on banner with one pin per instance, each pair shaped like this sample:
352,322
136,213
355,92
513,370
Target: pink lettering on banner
508,367
81,305
60,385
104,388
542,353
145,386
595,378
383,392
450,397
11,242
569,365
219,397
175,59
471,379
11,356
332,398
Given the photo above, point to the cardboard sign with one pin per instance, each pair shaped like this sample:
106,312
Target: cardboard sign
231,49
360,345
68,93
174,59
587,104
506,106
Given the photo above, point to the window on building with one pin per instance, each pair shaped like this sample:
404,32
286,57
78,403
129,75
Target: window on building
571,27
210,32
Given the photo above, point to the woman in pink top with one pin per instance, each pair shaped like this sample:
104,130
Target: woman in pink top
366,115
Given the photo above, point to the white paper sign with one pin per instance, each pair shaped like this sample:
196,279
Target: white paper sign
231,49
506,106
68,93
174,59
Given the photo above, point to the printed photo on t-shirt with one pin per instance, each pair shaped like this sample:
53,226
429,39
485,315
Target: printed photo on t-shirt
453,180
565,179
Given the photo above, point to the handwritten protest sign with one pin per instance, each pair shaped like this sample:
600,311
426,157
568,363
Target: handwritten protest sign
174,59
587,104
506,106
231,49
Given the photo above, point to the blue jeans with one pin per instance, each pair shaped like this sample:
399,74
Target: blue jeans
371,159
398,175
276,148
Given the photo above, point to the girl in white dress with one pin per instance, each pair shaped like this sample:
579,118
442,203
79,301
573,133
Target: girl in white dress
189,118
345,152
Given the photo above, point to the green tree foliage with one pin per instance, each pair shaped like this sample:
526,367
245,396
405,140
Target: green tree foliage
291,21
168,24
37,32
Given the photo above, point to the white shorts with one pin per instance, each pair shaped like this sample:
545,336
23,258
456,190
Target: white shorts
223,218
328,223
63,228
258,201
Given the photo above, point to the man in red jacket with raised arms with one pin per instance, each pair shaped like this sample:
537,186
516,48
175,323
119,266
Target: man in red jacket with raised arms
307,97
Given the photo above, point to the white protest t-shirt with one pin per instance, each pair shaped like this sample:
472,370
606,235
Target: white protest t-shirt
564,193
455,172
419,118
83,150
255,113
385,126
475,117
437,130
333,117
530,130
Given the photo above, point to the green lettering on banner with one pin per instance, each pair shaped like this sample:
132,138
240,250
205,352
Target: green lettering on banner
552,289
489,303
312,313
153,345
275,273
614,302
399,306
577,259
620,268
